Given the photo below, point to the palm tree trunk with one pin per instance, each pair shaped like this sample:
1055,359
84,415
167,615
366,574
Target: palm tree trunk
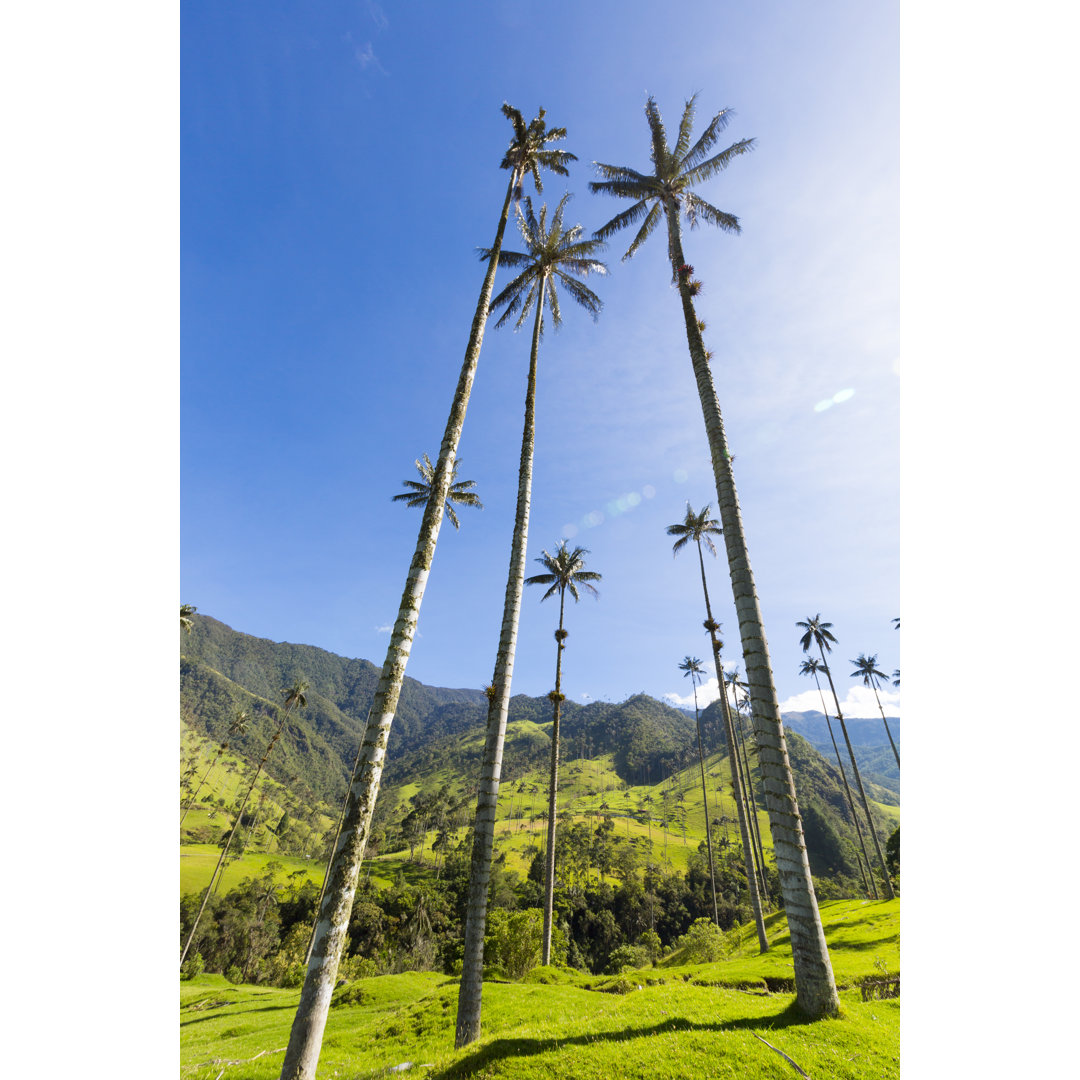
889,891
553,787
228,843
333,848
472,970
733,762
868,882
705,799
896,753
815,986
206,774
755,828
305,1038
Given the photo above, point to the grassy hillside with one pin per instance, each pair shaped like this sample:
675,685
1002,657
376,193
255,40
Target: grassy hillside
668,1021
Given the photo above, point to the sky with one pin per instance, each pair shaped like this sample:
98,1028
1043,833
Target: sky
339,169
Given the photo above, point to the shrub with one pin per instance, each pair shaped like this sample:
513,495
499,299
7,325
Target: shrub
703,942
192,966
234,974
626,958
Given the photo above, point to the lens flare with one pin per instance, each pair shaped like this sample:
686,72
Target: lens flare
821,406
843,395
680,476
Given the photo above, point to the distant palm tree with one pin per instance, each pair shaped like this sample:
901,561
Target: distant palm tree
896,677
811,666
460,491
295,698
236,727
820,632
665,192
735,684
866,666
527,153
186,611
565,571
691,666
700,528
556,256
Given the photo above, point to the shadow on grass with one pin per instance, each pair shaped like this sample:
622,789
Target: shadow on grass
503,1049
234,1013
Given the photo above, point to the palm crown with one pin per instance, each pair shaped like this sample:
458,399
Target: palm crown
692,669
565,572
700,528
555,254
866,666
527,152
419,492
811,666
675,171
816,631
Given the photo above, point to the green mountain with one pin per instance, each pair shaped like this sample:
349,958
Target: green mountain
635,747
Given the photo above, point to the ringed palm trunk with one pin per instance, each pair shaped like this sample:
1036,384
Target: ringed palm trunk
553,788
305,1038
751,802
733,762
472,970
868,882
889,891
815,986
705,800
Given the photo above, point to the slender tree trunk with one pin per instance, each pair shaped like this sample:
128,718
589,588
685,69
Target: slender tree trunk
213,765
472,970
868,882
705,800
755,829
553,788
228,843
889,891
733,762
333,848
896,753
815,986
305,1038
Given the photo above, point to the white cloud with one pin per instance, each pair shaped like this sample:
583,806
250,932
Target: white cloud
384,629
378,15
367,58
707,693
859,702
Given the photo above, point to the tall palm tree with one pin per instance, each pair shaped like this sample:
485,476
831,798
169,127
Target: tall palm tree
565,572
555,256
700,528
527,154
811,666
665,191
459,491
186,611
821,633
691,666
236,727
735,684
295,697
866,666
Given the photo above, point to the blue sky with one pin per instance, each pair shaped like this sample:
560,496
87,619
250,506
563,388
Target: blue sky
339,167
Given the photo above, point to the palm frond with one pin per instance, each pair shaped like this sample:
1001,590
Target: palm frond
581,294
620,221
660,153
706,140
686,125
718,163
647,227
618,174
696,207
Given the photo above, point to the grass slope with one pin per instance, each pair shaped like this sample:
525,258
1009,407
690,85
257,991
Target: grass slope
672,1021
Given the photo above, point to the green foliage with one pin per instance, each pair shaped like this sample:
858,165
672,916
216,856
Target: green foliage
513,941
703,943
192,966
892,852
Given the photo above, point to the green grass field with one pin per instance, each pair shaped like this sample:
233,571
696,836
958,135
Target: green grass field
704,1020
